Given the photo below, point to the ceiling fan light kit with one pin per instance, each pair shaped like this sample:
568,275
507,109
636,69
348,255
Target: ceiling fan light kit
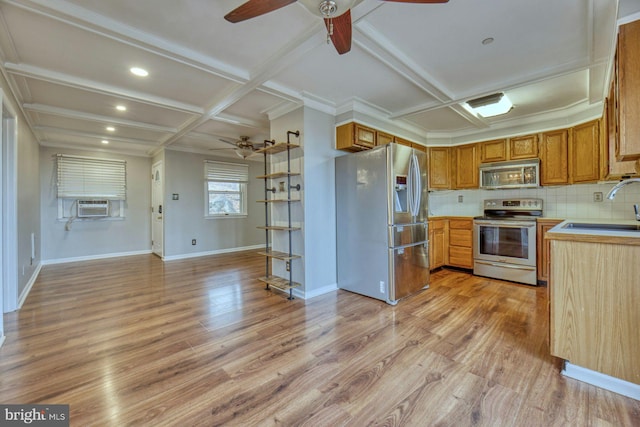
336,15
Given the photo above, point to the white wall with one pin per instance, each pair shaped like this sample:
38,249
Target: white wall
100,238
184,218
564,202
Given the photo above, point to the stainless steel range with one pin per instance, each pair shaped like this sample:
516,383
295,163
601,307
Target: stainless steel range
505,240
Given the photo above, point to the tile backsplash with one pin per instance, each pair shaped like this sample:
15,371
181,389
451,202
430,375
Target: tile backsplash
564,202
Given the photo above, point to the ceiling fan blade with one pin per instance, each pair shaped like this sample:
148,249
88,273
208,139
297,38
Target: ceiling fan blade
418,1
254,8
228,142
341,36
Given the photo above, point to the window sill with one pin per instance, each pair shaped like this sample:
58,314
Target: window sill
226,216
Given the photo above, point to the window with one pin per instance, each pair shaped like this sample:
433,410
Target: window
90,179
225,189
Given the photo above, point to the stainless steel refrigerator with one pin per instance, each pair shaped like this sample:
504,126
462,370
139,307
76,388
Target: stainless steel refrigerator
382,235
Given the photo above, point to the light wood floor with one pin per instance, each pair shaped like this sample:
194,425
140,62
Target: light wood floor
135,341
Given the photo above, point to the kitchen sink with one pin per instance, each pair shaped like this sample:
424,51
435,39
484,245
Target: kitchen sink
602,227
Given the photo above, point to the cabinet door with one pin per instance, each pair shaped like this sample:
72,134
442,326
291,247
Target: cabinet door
461,243
628,81
439,168
383,138
554,158
523,147
419,147
466,166
403,142
493,151
365,137
437,243
543,247
611,168
584,152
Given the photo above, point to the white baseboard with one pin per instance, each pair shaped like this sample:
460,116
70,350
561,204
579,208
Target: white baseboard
320,291
604,381
25,292
214,252
93,257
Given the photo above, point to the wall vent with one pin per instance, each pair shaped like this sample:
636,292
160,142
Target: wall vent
93,208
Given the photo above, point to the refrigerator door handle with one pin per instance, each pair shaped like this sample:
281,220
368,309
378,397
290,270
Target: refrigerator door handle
410,184
417,184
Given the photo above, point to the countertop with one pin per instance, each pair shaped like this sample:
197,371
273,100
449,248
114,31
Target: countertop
621,237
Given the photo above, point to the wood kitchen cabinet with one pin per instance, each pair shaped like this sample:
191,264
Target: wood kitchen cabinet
466,161
584,152
383,138
493,151
554,157
439,168
543,247
594,291
355,137
438,243
523,147
419,147
627,79
461,242
401,141
610,167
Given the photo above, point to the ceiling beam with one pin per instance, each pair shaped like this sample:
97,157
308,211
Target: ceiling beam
59,131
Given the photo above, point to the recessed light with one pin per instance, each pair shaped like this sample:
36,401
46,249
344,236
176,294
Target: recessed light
111,129
121,108
104,141
141,72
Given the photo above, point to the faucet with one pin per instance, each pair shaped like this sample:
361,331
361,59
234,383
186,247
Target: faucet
618,186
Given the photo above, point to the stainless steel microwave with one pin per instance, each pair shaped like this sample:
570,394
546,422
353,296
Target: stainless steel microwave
515,174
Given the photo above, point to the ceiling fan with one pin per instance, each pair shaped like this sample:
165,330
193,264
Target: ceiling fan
243,147
336,15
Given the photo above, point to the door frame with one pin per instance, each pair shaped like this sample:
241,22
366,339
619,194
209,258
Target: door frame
8,206
157,165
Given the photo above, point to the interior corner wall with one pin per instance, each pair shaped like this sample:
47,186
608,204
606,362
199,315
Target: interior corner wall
99,238
184,219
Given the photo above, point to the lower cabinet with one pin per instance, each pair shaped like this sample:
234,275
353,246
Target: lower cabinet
543,248
438,242
461,243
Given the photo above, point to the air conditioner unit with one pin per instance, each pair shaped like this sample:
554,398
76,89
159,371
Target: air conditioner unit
93,208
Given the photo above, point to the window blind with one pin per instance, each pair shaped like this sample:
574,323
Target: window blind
85,177
226,172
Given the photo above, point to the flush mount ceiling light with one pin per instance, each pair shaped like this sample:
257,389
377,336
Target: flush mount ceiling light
104,141
121,108
490,105
110,129
140,72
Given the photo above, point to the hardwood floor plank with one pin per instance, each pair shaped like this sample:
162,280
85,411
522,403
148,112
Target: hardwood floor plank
137,341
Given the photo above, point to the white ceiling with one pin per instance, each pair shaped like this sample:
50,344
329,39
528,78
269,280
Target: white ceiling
409,68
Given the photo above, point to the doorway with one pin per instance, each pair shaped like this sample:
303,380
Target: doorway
157,215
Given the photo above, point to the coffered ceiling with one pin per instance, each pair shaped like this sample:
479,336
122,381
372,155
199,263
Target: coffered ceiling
410,65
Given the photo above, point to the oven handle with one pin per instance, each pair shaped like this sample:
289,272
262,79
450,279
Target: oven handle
506,224
514,267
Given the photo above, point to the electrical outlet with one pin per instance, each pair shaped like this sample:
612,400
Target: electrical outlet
193,242
460,198
597,196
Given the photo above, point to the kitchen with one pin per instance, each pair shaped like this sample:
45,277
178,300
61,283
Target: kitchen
459,197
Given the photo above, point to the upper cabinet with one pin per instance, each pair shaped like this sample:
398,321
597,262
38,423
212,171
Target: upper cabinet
523,147
402,141
493,151
554,157
439,168
515,148
627,92
584,152
611,168
466,160
383,138
355,137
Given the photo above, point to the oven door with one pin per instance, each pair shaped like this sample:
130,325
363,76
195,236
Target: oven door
505,241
